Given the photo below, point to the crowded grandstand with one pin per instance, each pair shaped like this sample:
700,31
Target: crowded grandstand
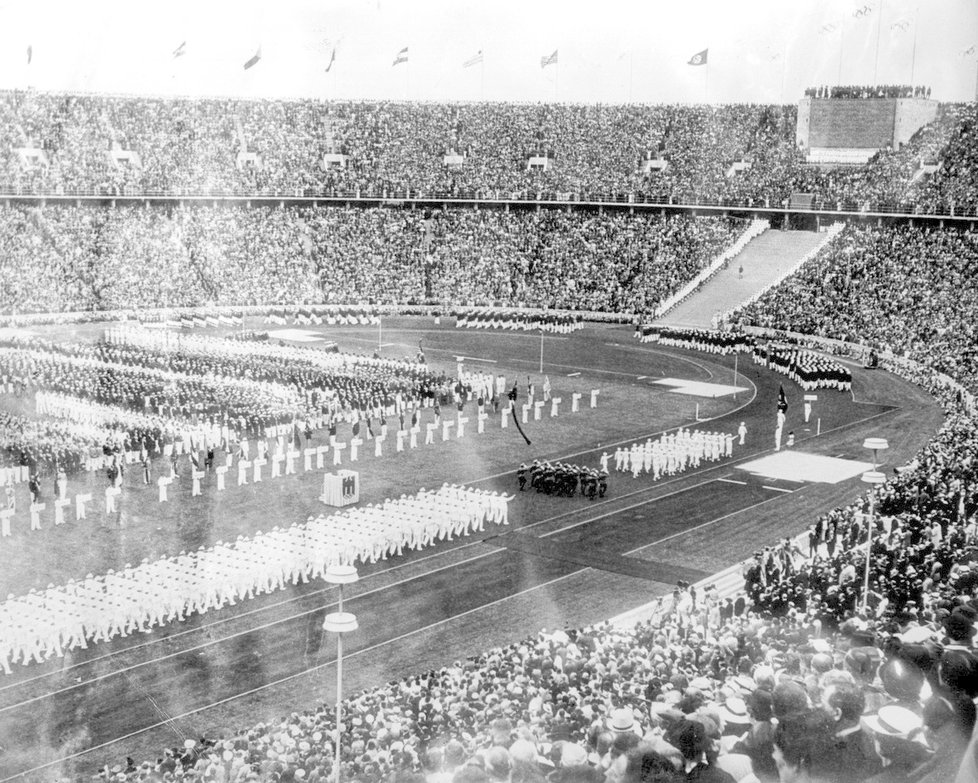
256,352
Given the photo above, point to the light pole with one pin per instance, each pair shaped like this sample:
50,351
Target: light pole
340,622
874,478
876,445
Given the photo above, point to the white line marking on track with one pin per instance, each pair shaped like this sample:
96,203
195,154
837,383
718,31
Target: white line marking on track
776,489
250,629
692,529
733,481
280,681
625,508
572,374
709,374
641,377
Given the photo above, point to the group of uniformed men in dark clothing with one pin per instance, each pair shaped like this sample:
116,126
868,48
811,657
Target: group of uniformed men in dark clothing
560,478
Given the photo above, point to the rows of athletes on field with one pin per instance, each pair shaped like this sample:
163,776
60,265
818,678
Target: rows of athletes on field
193,145
144,390
59,258
343,401
49,622
335,387
810,370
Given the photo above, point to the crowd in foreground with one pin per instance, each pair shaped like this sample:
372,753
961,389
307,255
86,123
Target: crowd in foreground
705,690
395,148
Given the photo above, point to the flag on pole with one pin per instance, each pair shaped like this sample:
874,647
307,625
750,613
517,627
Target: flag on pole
699,58
181,50
332,59
548,60
253,61
30,53
474,60
402,57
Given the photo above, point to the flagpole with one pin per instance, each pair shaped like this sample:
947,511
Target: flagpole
842,33
556,78
879,27
913,56
482,78
784,68
631,73
706,83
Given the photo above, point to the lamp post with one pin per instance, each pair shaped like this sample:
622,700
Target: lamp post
874,478
339,622
876,445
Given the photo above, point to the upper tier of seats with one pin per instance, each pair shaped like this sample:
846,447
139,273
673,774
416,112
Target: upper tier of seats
79,144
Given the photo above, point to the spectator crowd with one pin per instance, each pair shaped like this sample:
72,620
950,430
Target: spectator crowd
868,91
81,144
61,258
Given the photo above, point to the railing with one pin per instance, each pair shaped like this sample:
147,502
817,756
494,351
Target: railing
678,201
176,314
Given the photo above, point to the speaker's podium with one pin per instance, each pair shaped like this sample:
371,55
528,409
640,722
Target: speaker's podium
341,488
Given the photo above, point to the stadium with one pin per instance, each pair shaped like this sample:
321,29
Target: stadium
366,416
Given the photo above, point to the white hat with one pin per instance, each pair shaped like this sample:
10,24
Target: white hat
734,711
622,720
894,721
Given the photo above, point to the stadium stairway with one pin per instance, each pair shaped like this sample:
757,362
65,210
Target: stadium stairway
728,583
766,259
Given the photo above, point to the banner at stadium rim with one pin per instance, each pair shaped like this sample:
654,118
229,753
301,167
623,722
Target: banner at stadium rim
402,57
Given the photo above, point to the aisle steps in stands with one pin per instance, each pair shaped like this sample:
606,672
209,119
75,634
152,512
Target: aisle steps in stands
764,261
729,583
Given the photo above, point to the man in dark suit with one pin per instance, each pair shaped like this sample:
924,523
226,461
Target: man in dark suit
853,757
